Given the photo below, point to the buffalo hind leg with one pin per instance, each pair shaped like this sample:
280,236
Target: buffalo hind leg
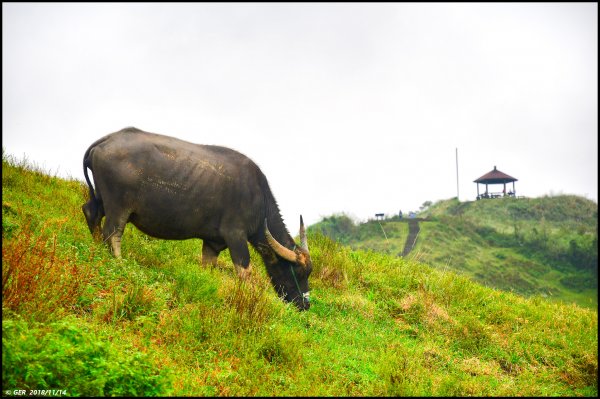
113,231
211,251
240,255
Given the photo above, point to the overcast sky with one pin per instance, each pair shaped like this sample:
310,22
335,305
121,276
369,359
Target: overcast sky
355,108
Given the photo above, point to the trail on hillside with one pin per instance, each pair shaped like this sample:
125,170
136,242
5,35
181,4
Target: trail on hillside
413,233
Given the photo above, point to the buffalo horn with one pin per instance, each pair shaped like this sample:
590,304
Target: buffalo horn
303,240
279,249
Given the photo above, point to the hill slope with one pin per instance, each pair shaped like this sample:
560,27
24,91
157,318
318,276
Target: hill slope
156,323
541,246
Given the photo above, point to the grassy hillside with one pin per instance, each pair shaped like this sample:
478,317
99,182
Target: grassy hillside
76,320
540,246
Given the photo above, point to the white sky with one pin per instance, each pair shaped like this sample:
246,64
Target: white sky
346,107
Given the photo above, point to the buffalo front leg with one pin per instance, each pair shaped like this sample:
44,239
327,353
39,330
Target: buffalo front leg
243,272
240,255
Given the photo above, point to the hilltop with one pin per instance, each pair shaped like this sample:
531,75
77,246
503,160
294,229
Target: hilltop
544,246
155,323
539,246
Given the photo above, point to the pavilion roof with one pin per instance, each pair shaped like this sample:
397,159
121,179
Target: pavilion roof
495,177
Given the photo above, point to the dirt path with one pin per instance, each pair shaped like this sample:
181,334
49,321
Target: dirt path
413,233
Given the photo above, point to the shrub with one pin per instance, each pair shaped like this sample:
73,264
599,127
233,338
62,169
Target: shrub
67,356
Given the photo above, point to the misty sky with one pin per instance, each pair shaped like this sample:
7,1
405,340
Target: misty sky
355,108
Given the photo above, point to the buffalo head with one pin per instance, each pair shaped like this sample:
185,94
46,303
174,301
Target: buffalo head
290,270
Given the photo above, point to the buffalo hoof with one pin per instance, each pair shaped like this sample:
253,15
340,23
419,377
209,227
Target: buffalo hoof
244,273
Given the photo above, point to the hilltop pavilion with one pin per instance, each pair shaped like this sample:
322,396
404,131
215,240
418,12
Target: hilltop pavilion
495,177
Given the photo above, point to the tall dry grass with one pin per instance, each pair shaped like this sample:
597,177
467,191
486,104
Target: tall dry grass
35,280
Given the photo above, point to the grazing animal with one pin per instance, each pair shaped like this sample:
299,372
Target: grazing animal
172,189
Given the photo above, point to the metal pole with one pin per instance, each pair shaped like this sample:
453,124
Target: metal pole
457,192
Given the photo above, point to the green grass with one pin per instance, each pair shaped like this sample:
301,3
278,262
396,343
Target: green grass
156,323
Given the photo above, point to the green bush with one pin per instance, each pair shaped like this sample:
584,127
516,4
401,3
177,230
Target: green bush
65,355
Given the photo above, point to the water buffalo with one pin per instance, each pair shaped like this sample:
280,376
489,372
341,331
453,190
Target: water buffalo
173,189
